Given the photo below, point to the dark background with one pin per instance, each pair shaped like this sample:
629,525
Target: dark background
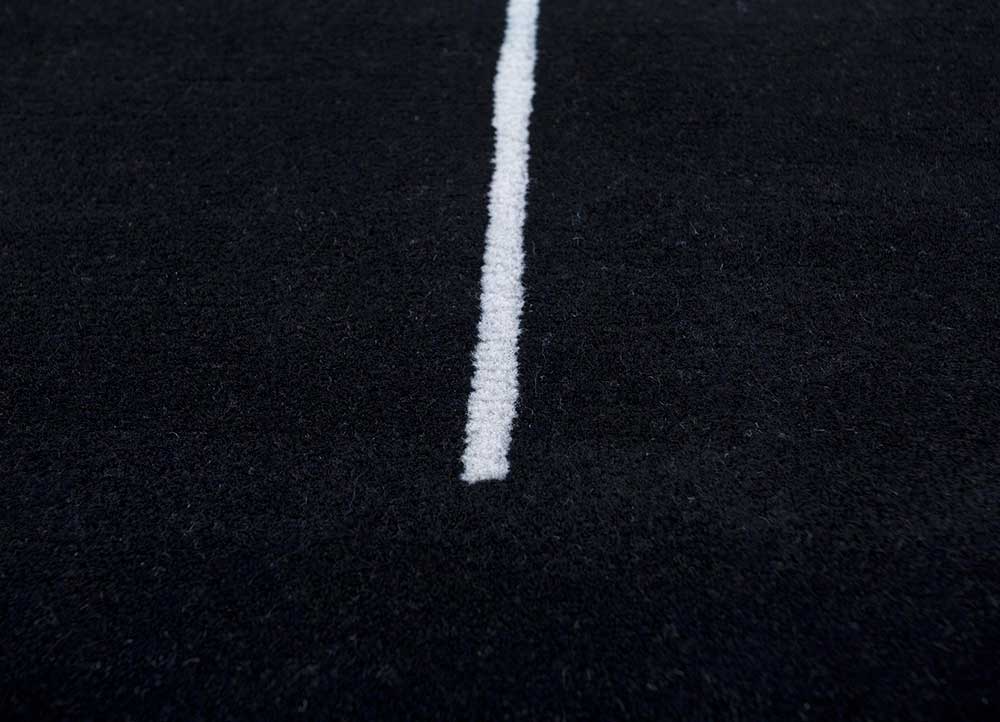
755,468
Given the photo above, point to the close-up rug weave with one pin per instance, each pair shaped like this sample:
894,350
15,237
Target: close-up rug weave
500,360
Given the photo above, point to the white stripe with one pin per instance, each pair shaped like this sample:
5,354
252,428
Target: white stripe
494,382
